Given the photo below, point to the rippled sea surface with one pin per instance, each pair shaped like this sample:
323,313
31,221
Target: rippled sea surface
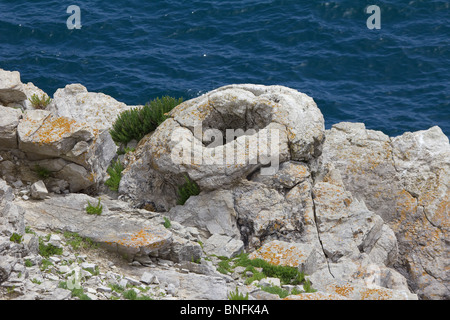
394,79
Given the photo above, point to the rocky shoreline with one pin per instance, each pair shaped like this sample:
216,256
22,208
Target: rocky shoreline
360,215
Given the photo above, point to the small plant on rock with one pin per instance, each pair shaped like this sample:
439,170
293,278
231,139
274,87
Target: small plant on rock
115,175
138,122
40,103
43,173
188,189
77,242
15,237
236,295
97,210
47,250
167,223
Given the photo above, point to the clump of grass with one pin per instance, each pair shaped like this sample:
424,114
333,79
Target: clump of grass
276,290
287,275
40,102
224,265
307,288
47,250
236,295
43,173
136,123
15,237
132,295
115,174
97,210
45,264
77,242
188,189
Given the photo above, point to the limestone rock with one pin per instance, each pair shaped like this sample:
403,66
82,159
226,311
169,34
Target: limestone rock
30,90
111,229
405,180
361,280
98,109
39,190
221,137
209,219
9,121
88,151
11,88
224,246
304,256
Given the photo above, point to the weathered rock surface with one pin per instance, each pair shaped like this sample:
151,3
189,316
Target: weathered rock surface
260,126
66,149
363,215
11,88
405,180
128,236
9,121
98,109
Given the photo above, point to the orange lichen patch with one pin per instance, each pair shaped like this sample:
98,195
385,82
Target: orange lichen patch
437,207
52,129
345,290
316,296
202,111
376,294
278,253
347,201
142,238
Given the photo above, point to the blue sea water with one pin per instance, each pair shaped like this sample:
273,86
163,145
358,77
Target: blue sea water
394,79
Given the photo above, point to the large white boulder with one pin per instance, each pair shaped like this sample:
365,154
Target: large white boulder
221,137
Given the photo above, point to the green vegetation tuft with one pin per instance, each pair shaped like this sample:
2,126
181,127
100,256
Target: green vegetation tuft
47,250
287,275
40,103
189,188
307,287
77,242
15,237
276,290
115,174
135,123
167,223
79,293
97,210
236,295
43,173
